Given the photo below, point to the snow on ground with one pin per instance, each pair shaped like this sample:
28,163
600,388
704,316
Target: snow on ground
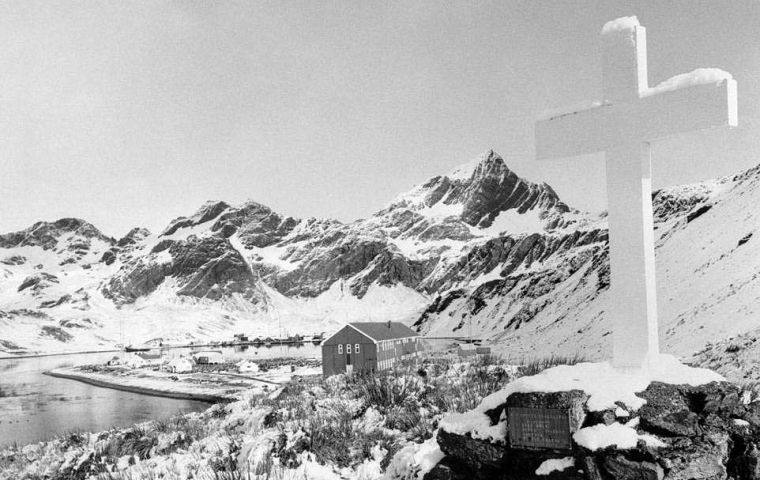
271,255
417,458
199,385
272,435
512,222
415,249
179,320
338,306
624,437
604,384
555,465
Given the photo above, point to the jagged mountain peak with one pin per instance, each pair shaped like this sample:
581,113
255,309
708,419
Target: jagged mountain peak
208,211
477,192
47,234
483,162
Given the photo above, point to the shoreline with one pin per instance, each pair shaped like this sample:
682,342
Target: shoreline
201,397
165,347
38,355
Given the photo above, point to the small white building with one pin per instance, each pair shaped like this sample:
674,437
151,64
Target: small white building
180,365
133,361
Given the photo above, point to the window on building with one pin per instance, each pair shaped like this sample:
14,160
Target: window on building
356,348
340,349
348,348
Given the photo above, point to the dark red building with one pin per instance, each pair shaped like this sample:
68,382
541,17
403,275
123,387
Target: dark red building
368,347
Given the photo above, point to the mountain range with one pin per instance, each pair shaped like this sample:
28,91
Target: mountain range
476,252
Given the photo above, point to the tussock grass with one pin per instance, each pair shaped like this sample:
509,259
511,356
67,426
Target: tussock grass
341,421
534,366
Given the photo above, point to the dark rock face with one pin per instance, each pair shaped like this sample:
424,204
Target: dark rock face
108,257
206,213
46,234
619,467
668,414
133,237
206,267
56,333
14,260
211,268
672,202
709,434
134,280
257,225
494,188
38,282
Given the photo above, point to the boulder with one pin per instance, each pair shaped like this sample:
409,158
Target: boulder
621,468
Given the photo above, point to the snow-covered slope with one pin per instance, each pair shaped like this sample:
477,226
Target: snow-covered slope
708,282
477,251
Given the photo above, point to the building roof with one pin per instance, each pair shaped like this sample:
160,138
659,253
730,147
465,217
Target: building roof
379,331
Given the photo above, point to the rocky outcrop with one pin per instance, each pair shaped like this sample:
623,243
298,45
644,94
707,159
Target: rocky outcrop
14,260
706,432
47,234
207,267
256,225
132,238
136,279
211,268
206,213
37,282
125,246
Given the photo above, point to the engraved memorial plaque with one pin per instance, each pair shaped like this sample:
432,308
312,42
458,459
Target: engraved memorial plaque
539,428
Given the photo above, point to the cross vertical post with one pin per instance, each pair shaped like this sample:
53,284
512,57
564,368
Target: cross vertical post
633,293
633,306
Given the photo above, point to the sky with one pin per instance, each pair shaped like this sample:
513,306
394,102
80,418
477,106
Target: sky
133,113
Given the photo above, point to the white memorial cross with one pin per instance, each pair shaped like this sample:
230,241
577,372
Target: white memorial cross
622,125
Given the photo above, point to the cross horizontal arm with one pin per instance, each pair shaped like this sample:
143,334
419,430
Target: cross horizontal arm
651,117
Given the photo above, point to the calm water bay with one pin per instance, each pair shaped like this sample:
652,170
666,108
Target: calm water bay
35,407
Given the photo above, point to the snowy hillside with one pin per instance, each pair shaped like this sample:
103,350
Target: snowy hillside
707,264
478,250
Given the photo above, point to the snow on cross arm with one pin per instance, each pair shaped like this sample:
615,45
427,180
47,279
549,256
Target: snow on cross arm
699,76
621,24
